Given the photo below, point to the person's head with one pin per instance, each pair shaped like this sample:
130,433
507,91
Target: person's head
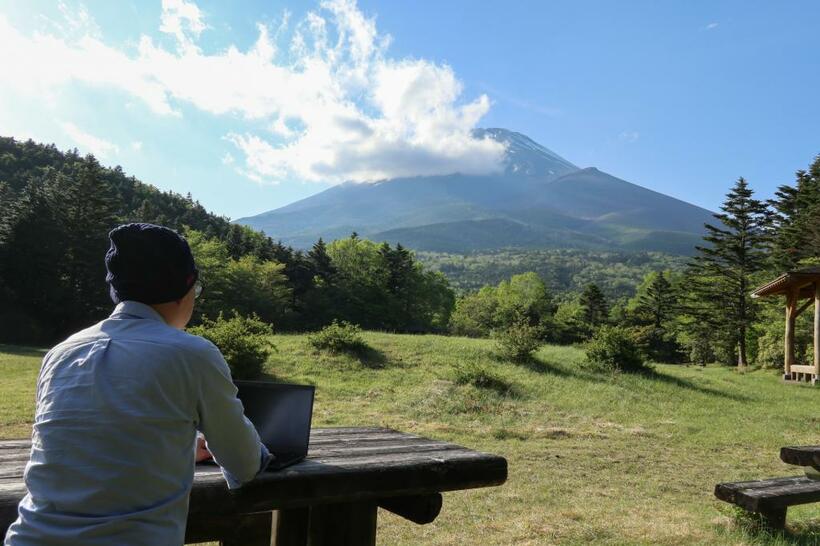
152,265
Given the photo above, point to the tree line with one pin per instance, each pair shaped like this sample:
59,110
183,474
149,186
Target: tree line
700,313
56,209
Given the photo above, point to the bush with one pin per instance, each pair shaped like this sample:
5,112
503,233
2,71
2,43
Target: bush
338,337
470,373
243,341
613,348
519,340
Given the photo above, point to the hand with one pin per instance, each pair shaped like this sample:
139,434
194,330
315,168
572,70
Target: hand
202,453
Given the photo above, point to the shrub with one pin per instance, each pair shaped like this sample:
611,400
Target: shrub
519,340
338,337
613,348
243,341
470,373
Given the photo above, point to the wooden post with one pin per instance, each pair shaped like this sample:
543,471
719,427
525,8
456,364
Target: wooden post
817,330
351,524
788,360
774,519
290,527
251,530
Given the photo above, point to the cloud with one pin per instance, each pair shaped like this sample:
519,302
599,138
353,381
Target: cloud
88,142
136,145
183,20
629,136
228,159
711,26
334,104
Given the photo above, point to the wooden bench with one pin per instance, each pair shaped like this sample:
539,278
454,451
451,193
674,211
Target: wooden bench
771,498
330,498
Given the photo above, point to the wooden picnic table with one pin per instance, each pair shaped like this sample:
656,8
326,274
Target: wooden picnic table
771,498
331,497
801,456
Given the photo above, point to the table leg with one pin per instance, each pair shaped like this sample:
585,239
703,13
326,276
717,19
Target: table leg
774,518
250,530
351,524
290,527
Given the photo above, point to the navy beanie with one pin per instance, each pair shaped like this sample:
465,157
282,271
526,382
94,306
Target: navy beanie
149,264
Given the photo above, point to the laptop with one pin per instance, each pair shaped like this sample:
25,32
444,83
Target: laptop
281,414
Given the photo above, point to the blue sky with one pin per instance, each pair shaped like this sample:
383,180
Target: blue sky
252,105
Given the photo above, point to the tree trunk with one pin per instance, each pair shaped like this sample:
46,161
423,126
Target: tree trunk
741,349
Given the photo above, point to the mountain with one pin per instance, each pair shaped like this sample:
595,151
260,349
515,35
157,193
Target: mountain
540,200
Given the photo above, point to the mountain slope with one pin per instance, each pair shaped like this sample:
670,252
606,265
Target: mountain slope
540,200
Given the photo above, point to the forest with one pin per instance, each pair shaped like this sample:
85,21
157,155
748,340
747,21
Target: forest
56,209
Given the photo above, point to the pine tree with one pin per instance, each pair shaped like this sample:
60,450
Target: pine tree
321,262
86,209
721,272
657,305
594,305
796,210
8,210
31,264
399,278
656,309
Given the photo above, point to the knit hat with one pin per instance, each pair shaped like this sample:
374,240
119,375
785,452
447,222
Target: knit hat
149,264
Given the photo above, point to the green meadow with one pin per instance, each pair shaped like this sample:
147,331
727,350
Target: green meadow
605,459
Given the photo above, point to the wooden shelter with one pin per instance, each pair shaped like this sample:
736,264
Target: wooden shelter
803,284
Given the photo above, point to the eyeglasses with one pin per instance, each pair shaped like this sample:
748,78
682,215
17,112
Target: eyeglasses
198,289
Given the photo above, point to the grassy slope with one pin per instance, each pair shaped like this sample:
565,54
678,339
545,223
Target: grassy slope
612,460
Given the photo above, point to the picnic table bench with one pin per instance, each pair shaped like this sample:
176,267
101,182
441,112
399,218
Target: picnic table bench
331,497
771,498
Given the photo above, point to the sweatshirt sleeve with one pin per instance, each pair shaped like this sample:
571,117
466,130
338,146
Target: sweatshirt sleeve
229,435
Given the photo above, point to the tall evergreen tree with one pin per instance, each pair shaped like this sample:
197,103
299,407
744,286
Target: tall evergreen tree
796,211
36,296
722,270
86,209
657,305
322,263
594,305
654,315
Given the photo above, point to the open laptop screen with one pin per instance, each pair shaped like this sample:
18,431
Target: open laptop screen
281,414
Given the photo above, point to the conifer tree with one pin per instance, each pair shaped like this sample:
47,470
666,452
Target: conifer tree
321,262
86,208
31,263
657,305
721,271
795,217
594,305
654,314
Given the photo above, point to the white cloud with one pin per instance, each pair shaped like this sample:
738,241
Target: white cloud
88,142
136,145
228,159
183,20
336,106
77,20
711,26
629,136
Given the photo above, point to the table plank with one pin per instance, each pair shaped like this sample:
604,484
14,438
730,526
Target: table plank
762,495
801,456
344,465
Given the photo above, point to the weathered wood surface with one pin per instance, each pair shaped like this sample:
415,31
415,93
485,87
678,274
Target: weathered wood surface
765,495
344,466
421,509
801,455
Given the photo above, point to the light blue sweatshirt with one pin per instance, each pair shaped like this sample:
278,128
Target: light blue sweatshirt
117,410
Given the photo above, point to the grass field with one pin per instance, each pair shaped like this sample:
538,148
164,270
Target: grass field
593,459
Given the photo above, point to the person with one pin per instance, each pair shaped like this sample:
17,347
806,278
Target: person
118,407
